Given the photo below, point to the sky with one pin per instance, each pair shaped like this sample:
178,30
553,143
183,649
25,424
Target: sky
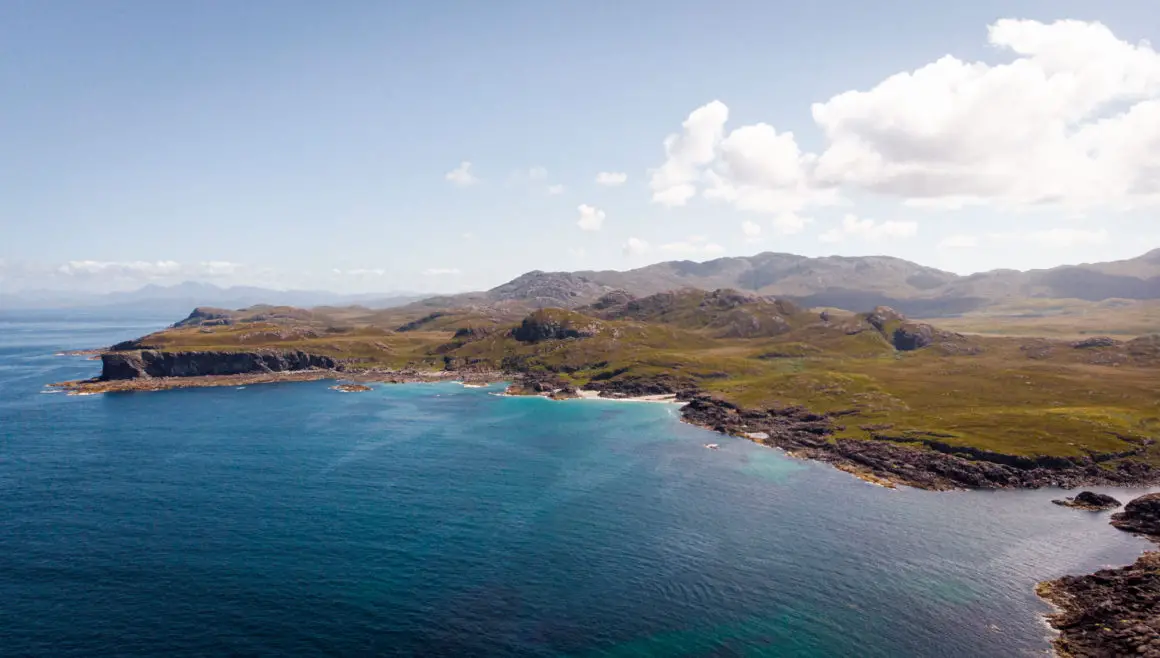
441,146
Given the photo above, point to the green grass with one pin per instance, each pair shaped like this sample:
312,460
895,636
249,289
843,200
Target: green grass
994,397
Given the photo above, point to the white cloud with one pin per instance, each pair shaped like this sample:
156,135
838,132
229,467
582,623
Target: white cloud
537,173
750,229
462,175
697,245
441,271
1071,119
675,181
577,253
611,178
555,189
636,247
1052,238
467,235
591,219
869,230
959,242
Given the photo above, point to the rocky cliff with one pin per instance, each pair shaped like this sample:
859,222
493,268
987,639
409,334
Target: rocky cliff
153,363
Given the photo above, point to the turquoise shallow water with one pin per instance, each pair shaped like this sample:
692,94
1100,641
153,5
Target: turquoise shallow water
438,520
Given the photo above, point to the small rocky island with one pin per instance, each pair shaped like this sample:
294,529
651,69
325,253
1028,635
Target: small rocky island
1087,500
1141,516
1113,612
350,388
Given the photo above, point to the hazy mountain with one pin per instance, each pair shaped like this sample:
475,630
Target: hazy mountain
184,296
855,283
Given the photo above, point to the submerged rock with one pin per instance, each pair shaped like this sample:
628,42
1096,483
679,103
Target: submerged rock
1090,501
351,388
1142,516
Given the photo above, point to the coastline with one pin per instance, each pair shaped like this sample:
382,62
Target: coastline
884,461
1112,612
96,385
798,433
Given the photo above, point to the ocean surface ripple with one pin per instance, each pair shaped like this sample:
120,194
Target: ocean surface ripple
440,520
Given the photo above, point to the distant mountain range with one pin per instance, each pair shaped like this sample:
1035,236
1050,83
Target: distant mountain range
855,283
184,296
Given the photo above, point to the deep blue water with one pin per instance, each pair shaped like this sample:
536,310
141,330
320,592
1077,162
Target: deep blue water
439,520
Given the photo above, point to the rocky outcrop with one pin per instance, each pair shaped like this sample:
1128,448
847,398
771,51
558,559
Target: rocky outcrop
613,299
1090,501
542,383
1113,612
415,325
912,336
632,386
1099,341
152,363
1141,516
885,319
546,325
913,461
207,316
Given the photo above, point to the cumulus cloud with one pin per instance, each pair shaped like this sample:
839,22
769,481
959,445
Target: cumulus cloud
636,247
462,175
750,229
868,230
441,271
591,219
553,190
537,173
687,152
611,178
1071,119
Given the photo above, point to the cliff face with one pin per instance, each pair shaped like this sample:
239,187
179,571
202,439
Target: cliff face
152,363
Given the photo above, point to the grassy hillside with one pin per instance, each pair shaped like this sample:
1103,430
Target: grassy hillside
883,376
1060,318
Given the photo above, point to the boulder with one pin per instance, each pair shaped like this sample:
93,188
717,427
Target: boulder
1141,515
913,336
1089,501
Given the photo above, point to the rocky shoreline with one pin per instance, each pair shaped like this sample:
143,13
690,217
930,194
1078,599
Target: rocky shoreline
1112,612
916,462
922,462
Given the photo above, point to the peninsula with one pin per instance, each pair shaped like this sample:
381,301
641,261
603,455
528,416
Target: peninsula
887,398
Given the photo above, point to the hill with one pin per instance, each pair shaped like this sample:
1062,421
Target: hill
832,281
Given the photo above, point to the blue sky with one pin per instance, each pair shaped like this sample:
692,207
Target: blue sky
297,144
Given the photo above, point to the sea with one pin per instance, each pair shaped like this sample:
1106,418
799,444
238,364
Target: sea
438,520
